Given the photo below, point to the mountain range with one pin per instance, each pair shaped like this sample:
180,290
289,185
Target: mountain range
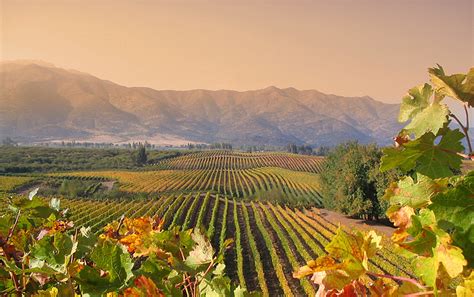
40,102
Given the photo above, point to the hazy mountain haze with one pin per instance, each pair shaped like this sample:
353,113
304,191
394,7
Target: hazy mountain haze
40,102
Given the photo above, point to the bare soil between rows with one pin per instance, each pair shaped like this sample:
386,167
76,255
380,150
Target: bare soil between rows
349,222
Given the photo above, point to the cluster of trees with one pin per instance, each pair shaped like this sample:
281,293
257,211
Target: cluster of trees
46,159
302,149
9,142
352,183
140,156
212,146
86,144
307,149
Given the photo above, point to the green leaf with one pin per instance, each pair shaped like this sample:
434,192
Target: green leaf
92,284
426,116
425,239
418,98
407,192
5,224
220,268
242,292
454,210
431,119
352,250
154,268
457,86
427,269
111,258
86,240
217,286
53,251
426,157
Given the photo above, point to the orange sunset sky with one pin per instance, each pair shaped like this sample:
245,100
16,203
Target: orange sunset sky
378,48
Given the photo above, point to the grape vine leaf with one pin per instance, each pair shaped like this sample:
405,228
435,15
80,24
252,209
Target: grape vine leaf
407,192
431,247
452,259
426,116
143,286
425,156
424,239
418,98
53,252
458,86
426,268
454,211
400,216
467,288
112,258
202,252
347,260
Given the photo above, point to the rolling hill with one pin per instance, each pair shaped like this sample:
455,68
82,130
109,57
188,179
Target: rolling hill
40,102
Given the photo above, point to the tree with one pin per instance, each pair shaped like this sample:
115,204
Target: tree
9,142
352,183
141,156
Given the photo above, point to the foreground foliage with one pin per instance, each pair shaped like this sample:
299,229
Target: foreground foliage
432,207
41,253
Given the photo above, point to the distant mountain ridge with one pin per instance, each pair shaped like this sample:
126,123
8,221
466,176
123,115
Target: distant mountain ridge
39,102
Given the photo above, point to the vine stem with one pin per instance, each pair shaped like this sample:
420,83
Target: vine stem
458,153
399,278
12,229
14,278
465,128
116,232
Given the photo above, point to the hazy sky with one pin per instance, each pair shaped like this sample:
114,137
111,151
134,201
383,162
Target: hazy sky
360,47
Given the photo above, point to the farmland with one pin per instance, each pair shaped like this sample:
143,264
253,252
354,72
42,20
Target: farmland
271,241
264,201
289,186
240,160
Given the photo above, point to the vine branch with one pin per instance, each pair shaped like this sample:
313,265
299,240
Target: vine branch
12,229
465,128
399,278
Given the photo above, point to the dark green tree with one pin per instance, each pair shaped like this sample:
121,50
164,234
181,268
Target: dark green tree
141,156
352,183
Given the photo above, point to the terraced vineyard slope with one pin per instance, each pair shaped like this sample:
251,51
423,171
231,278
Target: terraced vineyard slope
275,177
242,160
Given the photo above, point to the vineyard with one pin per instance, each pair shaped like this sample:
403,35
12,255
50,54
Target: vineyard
10,183
240,160
290,186
275,177
247,197
271,241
